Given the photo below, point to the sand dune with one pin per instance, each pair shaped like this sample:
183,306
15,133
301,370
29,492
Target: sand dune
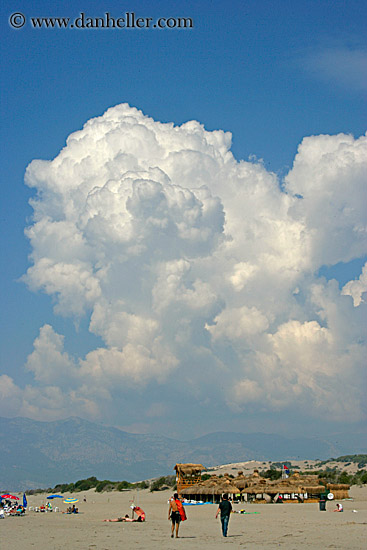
291,526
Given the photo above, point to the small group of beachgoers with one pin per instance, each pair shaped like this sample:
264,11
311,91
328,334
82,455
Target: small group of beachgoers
45,507
9,509
72,510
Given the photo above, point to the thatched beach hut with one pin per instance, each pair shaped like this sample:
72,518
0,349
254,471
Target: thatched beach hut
339,490
242,481
227,487
256,493
187,475
291,490
211,490
255,488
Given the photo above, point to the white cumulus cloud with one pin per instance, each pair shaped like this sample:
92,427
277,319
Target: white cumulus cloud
357,289
193,267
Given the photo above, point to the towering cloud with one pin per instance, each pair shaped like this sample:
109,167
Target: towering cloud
191,265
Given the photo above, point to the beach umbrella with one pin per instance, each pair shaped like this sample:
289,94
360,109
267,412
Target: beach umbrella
50,497
9,496
71,500
24,501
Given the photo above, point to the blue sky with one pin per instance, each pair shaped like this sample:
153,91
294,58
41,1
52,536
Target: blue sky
271,73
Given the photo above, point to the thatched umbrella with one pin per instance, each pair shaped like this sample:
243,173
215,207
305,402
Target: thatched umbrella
224,487
240,482
213,479
310,479
227,487
198,489
256,489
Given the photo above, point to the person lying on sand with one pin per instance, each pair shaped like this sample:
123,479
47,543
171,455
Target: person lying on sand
126,518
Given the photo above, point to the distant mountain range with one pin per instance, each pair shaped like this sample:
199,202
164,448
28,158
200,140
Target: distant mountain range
42,454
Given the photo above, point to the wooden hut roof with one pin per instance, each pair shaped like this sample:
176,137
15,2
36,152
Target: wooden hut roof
315,489
283,487
212,487
338,486
198,489
189,469
220,489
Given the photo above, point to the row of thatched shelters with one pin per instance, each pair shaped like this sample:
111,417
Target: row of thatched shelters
255,488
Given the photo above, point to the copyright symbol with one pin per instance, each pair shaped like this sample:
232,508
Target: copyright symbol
17,20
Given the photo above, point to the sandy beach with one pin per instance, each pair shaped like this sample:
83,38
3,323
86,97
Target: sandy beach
288,526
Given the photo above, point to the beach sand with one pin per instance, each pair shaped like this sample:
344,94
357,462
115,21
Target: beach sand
287,526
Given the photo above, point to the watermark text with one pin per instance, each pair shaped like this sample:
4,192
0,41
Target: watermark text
128,20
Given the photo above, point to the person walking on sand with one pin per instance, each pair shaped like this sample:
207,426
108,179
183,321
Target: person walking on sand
225,509
176,513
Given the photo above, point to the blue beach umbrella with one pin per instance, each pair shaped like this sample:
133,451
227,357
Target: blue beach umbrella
71,500
54,496
24,501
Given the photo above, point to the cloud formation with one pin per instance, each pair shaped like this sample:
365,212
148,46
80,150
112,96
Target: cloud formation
342,66
195,267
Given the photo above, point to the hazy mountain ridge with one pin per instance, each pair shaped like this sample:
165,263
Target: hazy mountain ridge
41,454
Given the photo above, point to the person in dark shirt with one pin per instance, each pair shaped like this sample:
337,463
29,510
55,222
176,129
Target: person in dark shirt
225,509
